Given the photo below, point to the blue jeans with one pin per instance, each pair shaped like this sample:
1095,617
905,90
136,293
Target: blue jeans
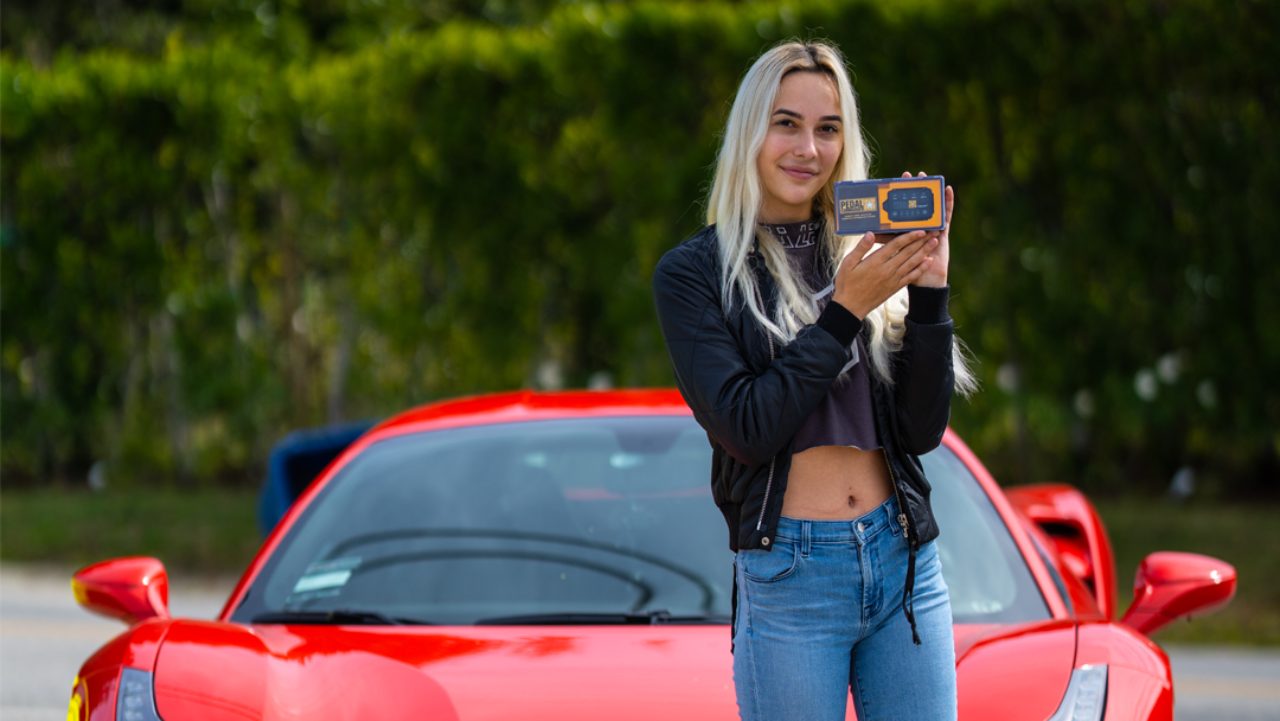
821,615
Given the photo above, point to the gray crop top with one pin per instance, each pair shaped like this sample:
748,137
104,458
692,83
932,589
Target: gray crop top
844,417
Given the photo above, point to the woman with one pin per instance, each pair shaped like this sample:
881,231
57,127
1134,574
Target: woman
820,367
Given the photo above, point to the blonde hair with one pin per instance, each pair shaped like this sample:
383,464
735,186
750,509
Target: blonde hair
734,205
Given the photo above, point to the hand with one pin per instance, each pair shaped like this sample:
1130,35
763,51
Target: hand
863,283
935,276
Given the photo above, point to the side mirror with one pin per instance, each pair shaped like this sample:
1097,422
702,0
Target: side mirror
1170,585
131,589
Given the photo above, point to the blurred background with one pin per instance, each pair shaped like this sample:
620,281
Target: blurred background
224,220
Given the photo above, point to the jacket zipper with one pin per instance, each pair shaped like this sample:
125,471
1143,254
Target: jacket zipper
768,486
897,493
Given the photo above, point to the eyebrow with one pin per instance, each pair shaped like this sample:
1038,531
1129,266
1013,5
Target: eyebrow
798,116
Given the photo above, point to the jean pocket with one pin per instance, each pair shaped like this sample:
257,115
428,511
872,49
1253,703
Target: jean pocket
769,566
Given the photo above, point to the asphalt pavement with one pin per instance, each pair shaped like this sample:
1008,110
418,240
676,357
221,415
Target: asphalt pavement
45,636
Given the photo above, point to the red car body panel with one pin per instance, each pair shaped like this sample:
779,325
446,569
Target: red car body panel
1078,537
1083,603
100,675
218,670
1141,679
1036,659
227,672
315,672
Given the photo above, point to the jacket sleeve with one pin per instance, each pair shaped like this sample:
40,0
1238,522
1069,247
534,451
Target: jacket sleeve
923,373
752,416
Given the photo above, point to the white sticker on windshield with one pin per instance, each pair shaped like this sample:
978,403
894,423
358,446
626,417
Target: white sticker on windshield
332,573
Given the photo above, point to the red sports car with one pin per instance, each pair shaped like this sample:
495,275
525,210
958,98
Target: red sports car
558,556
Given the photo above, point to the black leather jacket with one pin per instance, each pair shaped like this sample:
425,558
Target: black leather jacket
751,395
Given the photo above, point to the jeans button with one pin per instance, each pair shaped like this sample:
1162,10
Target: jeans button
764,541
861,528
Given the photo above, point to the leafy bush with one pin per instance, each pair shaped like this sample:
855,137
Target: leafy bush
208,243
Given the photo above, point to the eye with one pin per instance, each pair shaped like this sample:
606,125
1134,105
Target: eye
785,123
830,129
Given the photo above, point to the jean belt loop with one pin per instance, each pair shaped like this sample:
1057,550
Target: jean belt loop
806,528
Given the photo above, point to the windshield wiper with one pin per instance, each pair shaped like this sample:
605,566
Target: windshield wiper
339,616
601,619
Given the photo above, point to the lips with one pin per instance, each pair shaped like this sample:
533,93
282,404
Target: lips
800,173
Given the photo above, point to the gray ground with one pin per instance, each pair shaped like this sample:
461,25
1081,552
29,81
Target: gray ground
45,636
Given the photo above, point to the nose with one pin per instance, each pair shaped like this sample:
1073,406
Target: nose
806,145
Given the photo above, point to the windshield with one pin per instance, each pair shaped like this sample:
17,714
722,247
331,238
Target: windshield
583,516
988,579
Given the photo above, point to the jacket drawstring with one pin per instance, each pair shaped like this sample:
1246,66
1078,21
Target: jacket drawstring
733,605
908,603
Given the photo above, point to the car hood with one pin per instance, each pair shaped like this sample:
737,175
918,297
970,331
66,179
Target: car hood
223,672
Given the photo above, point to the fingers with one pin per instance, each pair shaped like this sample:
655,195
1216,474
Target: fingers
898,267
911,254
898,246
917,272
918,259
859,251
949,194
905,239
863,283
864,245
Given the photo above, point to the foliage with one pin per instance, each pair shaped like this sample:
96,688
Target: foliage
205,531
1234,532
222,221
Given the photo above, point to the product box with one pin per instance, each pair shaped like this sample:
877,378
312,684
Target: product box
890,205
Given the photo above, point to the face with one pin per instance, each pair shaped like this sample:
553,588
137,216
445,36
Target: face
800,151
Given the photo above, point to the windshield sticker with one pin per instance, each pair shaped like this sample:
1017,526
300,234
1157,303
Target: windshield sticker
333,573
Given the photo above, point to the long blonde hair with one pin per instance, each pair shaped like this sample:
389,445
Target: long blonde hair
734,205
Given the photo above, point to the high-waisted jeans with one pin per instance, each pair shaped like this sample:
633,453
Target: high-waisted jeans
821,615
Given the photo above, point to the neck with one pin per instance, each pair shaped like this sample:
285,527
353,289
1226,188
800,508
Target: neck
783,217
775,213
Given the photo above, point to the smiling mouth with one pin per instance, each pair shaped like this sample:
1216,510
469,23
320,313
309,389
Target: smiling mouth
799,173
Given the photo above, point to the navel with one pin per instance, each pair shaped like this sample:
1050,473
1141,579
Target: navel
853,502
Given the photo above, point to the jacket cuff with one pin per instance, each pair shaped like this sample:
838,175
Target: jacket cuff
843,325
927,305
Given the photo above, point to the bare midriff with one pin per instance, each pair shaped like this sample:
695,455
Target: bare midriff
835,483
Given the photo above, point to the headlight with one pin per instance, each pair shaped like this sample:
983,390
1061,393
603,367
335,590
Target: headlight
1086,696
136,700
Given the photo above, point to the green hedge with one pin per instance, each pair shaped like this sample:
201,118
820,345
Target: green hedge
206,246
